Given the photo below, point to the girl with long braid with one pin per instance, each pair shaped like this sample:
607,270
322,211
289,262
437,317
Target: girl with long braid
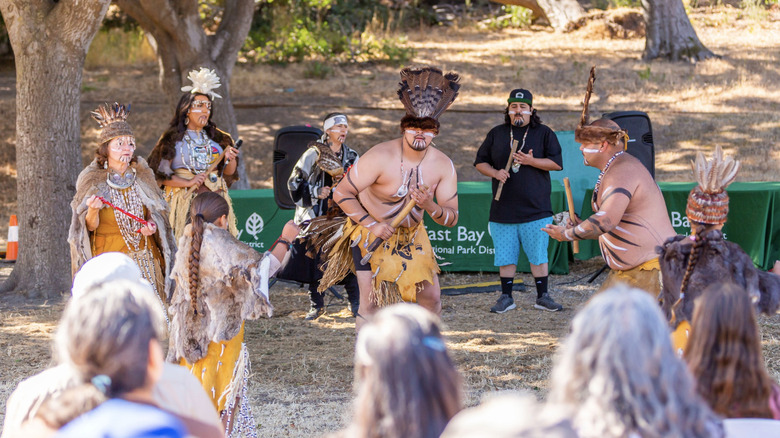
691,263
218,283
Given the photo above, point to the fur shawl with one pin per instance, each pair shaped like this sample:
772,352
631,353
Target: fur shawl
719,261
92,181
232,287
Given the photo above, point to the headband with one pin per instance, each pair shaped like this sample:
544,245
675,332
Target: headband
338,119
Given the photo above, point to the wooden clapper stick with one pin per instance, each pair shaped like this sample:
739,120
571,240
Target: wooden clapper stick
575,245
396,222
506,168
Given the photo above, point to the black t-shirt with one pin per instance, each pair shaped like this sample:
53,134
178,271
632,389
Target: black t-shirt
526,194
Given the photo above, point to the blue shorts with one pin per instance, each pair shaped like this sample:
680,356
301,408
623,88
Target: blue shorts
507,239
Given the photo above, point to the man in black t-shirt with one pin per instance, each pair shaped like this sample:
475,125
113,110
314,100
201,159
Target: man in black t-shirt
524,207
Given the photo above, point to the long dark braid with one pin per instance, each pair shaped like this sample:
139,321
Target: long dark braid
698,230
206,208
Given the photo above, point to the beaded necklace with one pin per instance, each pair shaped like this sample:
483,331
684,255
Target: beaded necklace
129,200
516,167
403,189
197,152
601,175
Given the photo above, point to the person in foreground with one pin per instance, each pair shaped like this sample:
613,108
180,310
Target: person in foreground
407,384
111,337
524,207
690,264
725,358
177,391
219,282
385,180
118,177
630,218
616,374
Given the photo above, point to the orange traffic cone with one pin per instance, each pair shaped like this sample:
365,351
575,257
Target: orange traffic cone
13,239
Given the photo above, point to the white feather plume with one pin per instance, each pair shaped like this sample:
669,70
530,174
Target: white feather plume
716,174
204,81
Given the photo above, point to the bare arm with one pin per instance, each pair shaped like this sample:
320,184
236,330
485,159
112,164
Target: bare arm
489,171
177,181
361,175
613,205
445,211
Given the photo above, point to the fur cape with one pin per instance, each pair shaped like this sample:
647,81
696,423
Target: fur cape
92,181
232,287
165,151
719,261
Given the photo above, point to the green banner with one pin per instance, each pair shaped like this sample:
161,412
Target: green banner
753,220
466,247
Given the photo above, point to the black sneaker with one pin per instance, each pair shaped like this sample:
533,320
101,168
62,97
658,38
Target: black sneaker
504,303
547,303
314,313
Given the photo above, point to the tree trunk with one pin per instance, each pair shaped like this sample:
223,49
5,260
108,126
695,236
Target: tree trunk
182,45
50,41
558,13
670,34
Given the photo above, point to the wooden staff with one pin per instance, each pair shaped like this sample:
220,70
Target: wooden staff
575,245
506,168
396,222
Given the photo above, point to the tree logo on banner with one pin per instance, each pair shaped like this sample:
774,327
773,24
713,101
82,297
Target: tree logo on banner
254,225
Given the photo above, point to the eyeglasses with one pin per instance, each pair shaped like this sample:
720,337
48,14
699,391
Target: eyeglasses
202,104
420,131
120,144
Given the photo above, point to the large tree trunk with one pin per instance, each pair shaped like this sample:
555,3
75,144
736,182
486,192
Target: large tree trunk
182,45
559,13
50,41
670,33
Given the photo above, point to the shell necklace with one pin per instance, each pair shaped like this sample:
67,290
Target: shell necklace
601,175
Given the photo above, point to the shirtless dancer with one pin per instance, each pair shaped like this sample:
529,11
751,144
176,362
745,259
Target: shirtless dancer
381,184
630,217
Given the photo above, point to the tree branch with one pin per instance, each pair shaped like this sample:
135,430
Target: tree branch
232,32
72,20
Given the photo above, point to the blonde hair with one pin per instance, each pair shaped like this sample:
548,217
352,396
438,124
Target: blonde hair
617,374
408,385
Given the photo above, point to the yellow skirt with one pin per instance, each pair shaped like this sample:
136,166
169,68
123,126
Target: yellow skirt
646,277
180,199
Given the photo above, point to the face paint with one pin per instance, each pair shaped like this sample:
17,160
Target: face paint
590,150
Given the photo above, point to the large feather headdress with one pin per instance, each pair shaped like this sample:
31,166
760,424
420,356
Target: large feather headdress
113,121
425,94
204,81
586,133
708,202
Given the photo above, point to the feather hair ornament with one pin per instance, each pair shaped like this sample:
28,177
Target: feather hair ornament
112,119
708,202
204,81
427,92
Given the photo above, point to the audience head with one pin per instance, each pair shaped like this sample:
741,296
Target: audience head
111,337
109,266
508,415
407,384
724,353
617,374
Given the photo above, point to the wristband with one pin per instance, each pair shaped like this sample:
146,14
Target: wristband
282,241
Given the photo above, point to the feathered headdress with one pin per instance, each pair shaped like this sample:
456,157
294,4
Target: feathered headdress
587,133
113,121
425,94
708,202
204,81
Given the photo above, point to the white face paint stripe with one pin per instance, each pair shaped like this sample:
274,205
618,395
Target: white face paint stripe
590,151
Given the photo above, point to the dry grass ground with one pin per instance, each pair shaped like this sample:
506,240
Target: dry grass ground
302,375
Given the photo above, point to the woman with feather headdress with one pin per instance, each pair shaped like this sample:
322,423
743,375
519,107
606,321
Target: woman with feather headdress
691,263
385,195
184,154
118,206
311,182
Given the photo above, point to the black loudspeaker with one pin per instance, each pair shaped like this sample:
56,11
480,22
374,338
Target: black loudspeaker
640,135
289,144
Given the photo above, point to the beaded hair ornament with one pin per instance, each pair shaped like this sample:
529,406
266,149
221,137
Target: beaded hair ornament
708,202
204,81
112,121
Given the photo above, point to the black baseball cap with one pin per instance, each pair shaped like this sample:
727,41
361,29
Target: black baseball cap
521,95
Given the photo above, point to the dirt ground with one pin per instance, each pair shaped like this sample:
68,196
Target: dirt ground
302,372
